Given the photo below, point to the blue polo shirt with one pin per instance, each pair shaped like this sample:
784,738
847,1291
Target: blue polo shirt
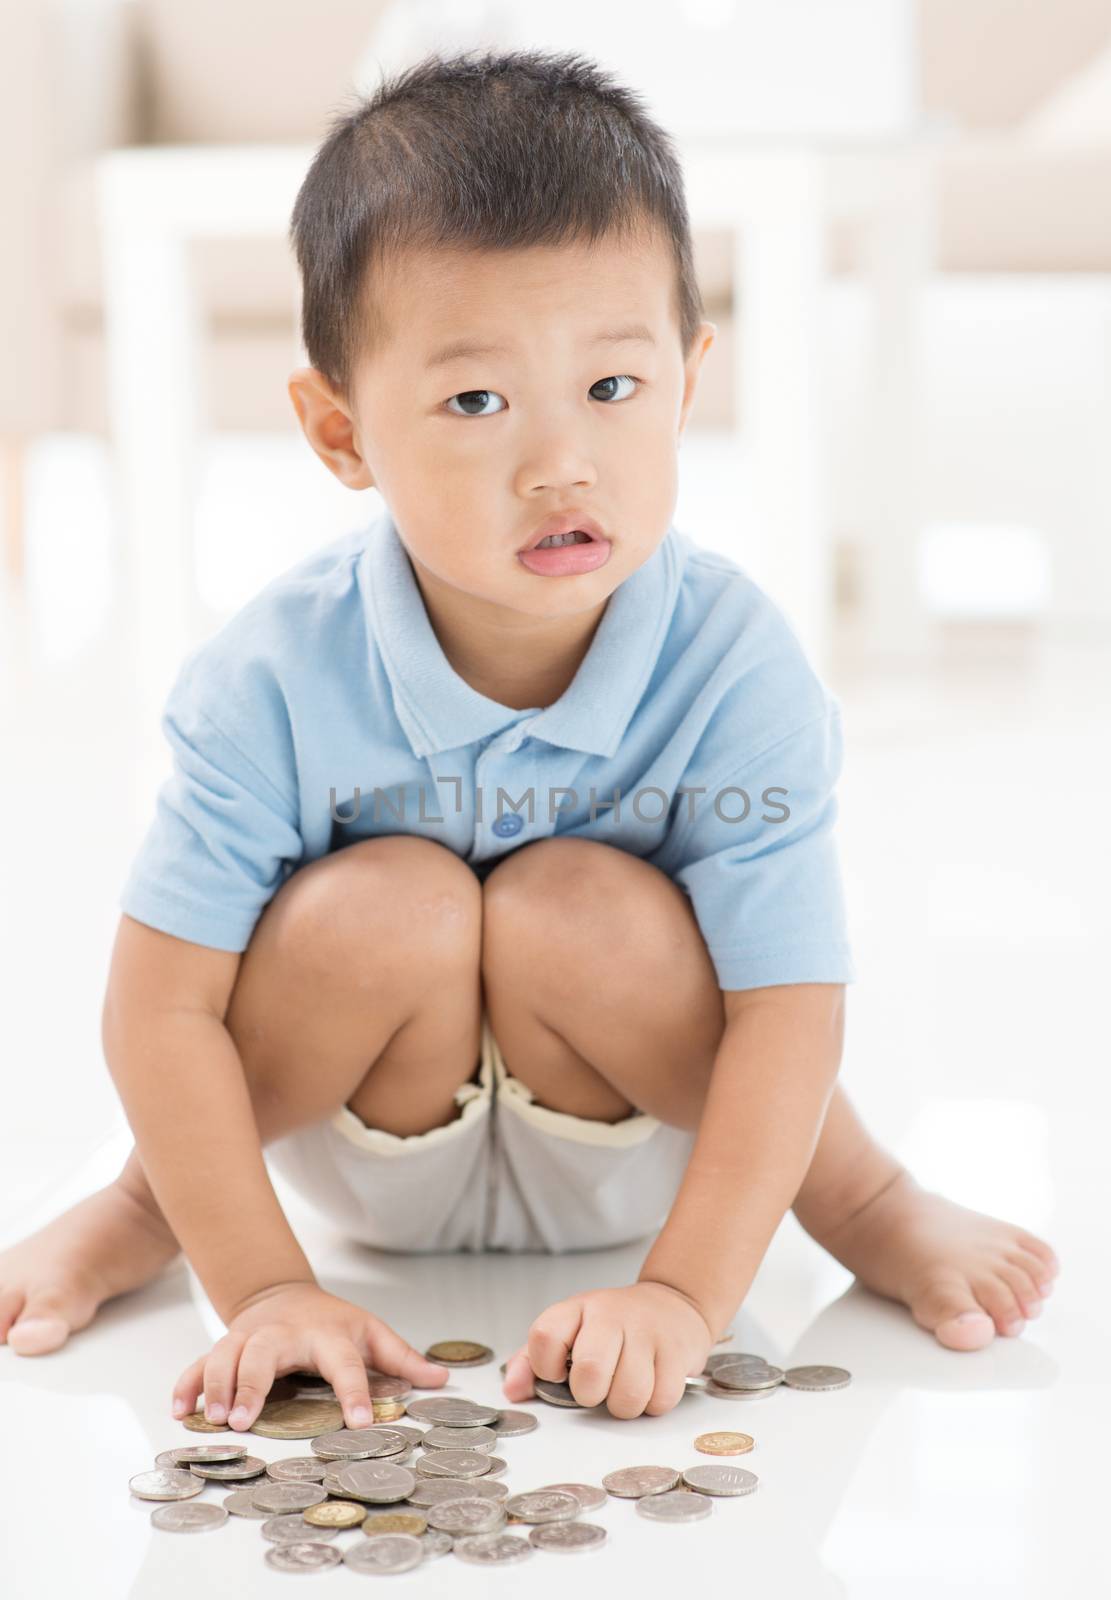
694,735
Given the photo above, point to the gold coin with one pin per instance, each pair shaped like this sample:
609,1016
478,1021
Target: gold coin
459,1352
395,1522
724,1444
335,1514
198,1423
387,1410
297,1419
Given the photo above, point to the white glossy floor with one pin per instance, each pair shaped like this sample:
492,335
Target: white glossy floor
974,844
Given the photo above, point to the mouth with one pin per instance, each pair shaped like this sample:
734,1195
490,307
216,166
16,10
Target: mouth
565,547
568,528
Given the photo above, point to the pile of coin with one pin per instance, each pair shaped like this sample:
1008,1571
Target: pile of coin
406,1508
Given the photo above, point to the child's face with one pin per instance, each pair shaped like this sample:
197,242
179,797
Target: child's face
469,476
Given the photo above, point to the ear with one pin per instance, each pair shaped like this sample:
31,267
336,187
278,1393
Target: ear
707,333
329,427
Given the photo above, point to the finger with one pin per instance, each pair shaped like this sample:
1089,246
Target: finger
633,1380
550,1339
343,1366
518,1384
670,1385
219,1376
391,1354
188,1387
594,1358
257,1365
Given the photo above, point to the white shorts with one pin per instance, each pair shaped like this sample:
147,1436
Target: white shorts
506,1174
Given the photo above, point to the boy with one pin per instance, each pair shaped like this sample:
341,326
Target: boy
519,773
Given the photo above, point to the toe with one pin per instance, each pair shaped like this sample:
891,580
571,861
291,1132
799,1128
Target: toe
48,1318
1024,1286
953,1314
998,1299
37,1335
1049,1266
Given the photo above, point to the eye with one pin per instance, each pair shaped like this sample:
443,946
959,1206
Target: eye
478,395
623,378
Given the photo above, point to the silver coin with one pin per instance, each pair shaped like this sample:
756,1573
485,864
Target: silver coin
410,1434
675,1506
747,1375
359,1444
817,1378
434,1491
165,1458
451,1412
558,1394
188,1518
571,1537
275,1497
589,1496
721,1358
544,1505
435,1542
377,1481
454,1464
511,1423
296,1469
183,1454
695,1381
466,1516
720,1392
386,1552
720,1479
441,1438
491,1549
229,1471
302,1555
166,1483
241,1503
384,1386
291,1526
631,1482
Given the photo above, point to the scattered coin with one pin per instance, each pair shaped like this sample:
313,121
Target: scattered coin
274,1497
543,1505
589,1496
435,1542
384,1388
459,1353
393,1552
291,1527
186,1453
187,1518
228,1471
334,1514
297,1419
720,1392
817,1378
197,1422
241,1503
675,1506
747,1375
720,1480
166,1483
558,1394
511,1423
378,1522
359,1444
568,1537
411,1435
492,1549
459,1517
296,1469
375,1480
387,1411
434,1491
724,1444
454,1464
451,1412
441,1438
302,1555
632,1482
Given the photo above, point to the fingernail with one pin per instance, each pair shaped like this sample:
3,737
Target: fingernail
238,1418
1012,1328
1045,1288
179,1408
360,1416
216,1413
973,1316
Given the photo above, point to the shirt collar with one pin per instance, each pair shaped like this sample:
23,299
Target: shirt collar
439,710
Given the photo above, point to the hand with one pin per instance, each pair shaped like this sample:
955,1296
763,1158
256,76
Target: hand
299,1327
632,1347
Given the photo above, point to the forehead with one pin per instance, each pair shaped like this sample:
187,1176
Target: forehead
432,298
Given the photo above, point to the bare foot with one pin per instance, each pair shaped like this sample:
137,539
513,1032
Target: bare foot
964,1275
52,1282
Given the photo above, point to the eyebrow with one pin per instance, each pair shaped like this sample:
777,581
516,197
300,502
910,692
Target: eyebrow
636,333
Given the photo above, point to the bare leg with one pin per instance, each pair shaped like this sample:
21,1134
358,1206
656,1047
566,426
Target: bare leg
566,918
366,965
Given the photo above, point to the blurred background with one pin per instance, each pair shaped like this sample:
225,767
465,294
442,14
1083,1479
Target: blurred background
903,233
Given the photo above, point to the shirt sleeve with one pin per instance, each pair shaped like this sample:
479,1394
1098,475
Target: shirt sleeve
760,865
224,836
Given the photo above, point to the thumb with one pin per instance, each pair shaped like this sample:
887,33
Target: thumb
391,1354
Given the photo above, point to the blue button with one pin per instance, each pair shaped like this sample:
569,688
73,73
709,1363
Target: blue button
506,827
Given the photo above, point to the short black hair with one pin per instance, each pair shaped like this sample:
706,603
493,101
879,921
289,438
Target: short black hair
483,149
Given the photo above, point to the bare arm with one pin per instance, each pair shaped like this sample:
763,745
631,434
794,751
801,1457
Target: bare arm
182,1084
771,1084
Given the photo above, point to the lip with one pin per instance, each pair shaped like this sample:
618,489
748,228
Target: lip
563,522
